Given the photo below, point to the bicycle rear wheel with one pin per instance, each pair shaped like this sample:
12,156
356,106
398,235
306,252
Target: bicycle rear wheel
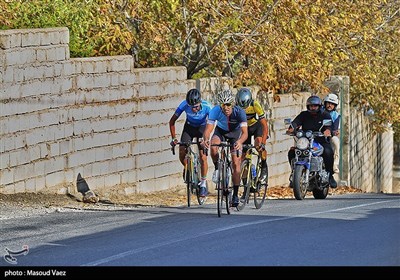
261,191
245,184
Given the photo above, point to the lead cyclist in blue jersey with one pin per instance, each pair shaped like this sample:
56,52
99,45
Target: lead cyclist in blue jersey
197,111
230,124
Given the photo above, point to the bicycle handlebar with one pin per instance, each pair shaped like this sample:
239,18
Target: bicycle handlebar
222,144
186,144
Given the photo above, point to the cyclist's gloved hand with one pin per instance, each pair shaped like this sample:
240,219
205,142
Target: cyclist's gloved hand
174,142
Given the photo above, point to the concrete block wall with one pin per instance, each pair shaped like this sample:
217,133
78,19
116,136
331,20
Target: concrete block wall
108,121
371,156
96,116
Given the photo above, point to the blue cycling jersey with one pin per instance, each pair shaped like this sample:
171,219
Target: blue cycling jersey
195,119
236,120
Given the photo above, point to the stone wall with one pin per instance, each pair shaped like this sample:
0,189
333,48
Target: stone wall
104,119
371,156
96,116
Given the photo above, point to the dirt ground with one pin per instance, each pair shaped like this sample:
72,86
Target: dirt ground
175,197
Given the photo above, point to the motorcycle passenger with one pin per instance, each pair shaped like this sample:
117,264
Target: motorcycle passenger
257,126
197,111
312,119
331,102
230,125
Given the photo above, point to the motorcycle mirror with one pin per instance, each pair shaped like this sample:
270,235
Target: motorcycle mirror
325,122
287,121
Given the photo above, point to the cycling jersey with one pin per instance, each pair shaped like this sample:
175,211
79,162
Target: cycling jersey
235,121
195,119
254,112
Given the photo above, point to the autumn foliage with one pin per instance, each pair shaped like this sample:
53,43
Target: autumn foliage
280,45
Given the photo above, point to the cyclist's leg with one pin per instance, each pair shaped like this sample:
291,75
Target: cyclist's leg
233,136
185,137
263,154
203,158
215,140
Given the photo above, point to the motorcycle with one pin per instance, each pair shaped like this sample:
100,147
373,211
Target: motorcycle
308,168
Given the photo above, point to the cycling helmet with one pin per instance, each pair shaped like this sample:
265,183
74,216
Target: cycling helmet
225,96
313,100
193,97
332,98
244,98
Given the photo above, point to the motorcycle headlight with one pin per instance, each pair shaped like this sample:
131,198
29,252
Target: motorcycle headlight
309,134
302,143
299,134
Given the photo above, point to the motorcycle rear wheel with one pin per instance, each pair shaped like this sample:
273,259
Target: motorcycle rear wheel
320,194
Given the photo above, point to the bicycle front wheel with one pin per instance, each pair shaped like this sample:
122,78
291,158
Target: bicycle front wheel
227,194
189,181
245,184
260,192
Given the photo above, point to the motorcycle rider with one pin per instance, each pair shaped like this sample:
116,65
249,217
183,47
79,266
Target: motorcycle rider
331,102
312,119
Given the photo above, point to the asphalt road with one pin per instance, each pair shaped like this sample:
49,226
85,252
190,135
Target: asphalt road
344,230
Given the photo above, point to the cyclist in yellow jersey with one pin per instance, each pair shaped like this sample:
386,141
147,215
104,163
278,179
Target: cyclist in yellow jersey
257,126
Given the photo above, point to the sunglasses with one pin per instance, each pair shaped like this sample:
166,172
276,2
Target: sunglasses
196,106
226,104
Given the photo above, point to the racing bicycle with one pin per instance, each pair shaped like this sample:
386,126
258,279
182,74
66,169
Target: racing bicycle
192,172
250,181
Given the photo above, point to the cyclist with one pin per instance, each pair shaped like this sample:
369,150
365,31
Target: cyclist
197,111
230,125
257,126
312,120
331,102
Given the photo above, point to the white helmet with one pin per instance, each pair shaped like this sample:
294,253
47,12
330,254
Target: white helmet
332,98
225,96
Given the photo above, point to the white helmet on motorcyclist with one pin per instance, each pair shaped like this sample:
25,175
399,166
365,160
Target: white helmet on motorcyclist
332,98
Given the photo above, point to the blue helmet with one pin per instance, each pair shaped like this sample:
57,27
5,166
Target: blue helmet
193,97
244,98
313,100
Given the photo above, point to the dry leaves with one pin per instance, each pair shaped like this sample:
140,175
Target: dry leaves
175,197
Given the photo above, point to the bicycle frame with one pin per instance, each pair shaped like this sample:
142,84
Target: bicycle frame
192,172
248,182
224,190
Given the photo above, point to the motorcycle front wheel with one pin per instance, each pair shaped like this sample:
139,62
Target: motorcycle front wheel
299,182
